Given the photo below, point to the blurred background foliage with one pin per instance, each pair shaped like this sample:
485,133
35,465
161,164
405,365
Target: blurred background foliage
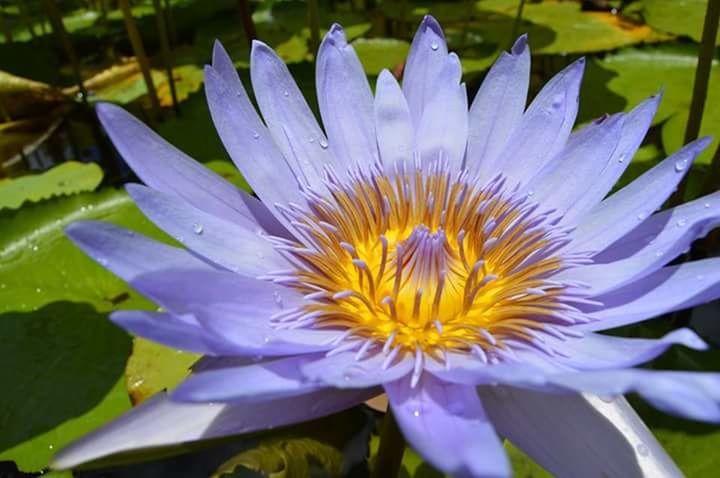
67,370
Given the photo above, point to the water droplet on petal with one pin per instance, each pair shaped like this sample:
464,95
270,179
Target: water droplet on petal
607,398
621,158
699,277
416,413
323,144
641,216
659,253
255,134
311,140
103,262
530,193
642,450
434,46
707,205
680,165
681,222
198,229
286,93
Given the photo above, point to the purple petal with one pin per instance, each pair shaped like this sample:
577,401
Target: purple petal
545,126
165,168
231,245
690,395
289,118
427,57
126,253
160,422
179,291
254,335
447,425
395,133
575,435
263,381
443,128
497,108
626,209
634,129
658,240
565,180
668,289
344,370
595,351
248,142
177,331
345,100
470,370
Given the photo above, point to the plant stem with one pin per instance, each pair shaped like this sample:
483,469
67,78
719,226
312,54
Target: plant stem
314,24
700,87
247,20
142,59
516,24
391,449
166,52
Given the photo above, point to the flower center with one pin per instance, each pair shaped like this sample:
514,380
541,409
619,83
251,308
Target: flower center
421,259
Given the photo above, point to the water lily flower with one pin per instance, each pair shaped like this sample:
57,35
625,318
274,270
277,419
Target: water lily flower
463,260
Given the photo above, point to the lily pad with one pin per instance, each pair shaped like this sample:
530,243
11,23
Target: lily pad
640,73
680,17
378,53
68,359
64,179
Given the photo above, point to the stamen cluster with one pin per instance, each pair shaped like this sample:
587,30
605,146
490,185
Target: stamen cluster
422,260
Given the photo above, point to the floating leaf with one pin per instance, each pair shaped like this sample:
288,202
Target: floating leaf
639,73
24,98
379,53
68,359
572,29
153,368
681,17
66,178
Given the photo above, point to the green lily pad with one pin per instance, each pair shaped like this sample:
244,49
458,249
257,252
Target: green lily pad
64,179
681,17
68,359
377,54
573,30
640,73
153,367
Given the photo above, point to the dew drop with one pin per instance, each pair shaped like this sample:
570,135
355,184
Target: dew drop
255,134
681,222
2,286
530,193
680,165
34,247
659,253
198,229
434,46
707,205
699,277
621,158
346,377
642,449
641,216
557,101
416,413
323,144
286,93
38,290
607,398
311,140
102,261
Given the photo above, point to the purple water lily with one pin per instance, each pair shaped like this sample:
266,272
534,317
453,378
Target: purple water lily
462,260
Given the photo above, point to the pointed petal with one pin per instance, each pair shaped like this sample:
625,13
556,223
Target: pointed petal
258,382
248,142
658,240
636,124
177,331
668,289
427,57
442,131
626,209
344,370
690,395
544,128
160,422
586,154
231,245
447,425
345,100
394,128
126,253
596,351
497,108
577,435
288,116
